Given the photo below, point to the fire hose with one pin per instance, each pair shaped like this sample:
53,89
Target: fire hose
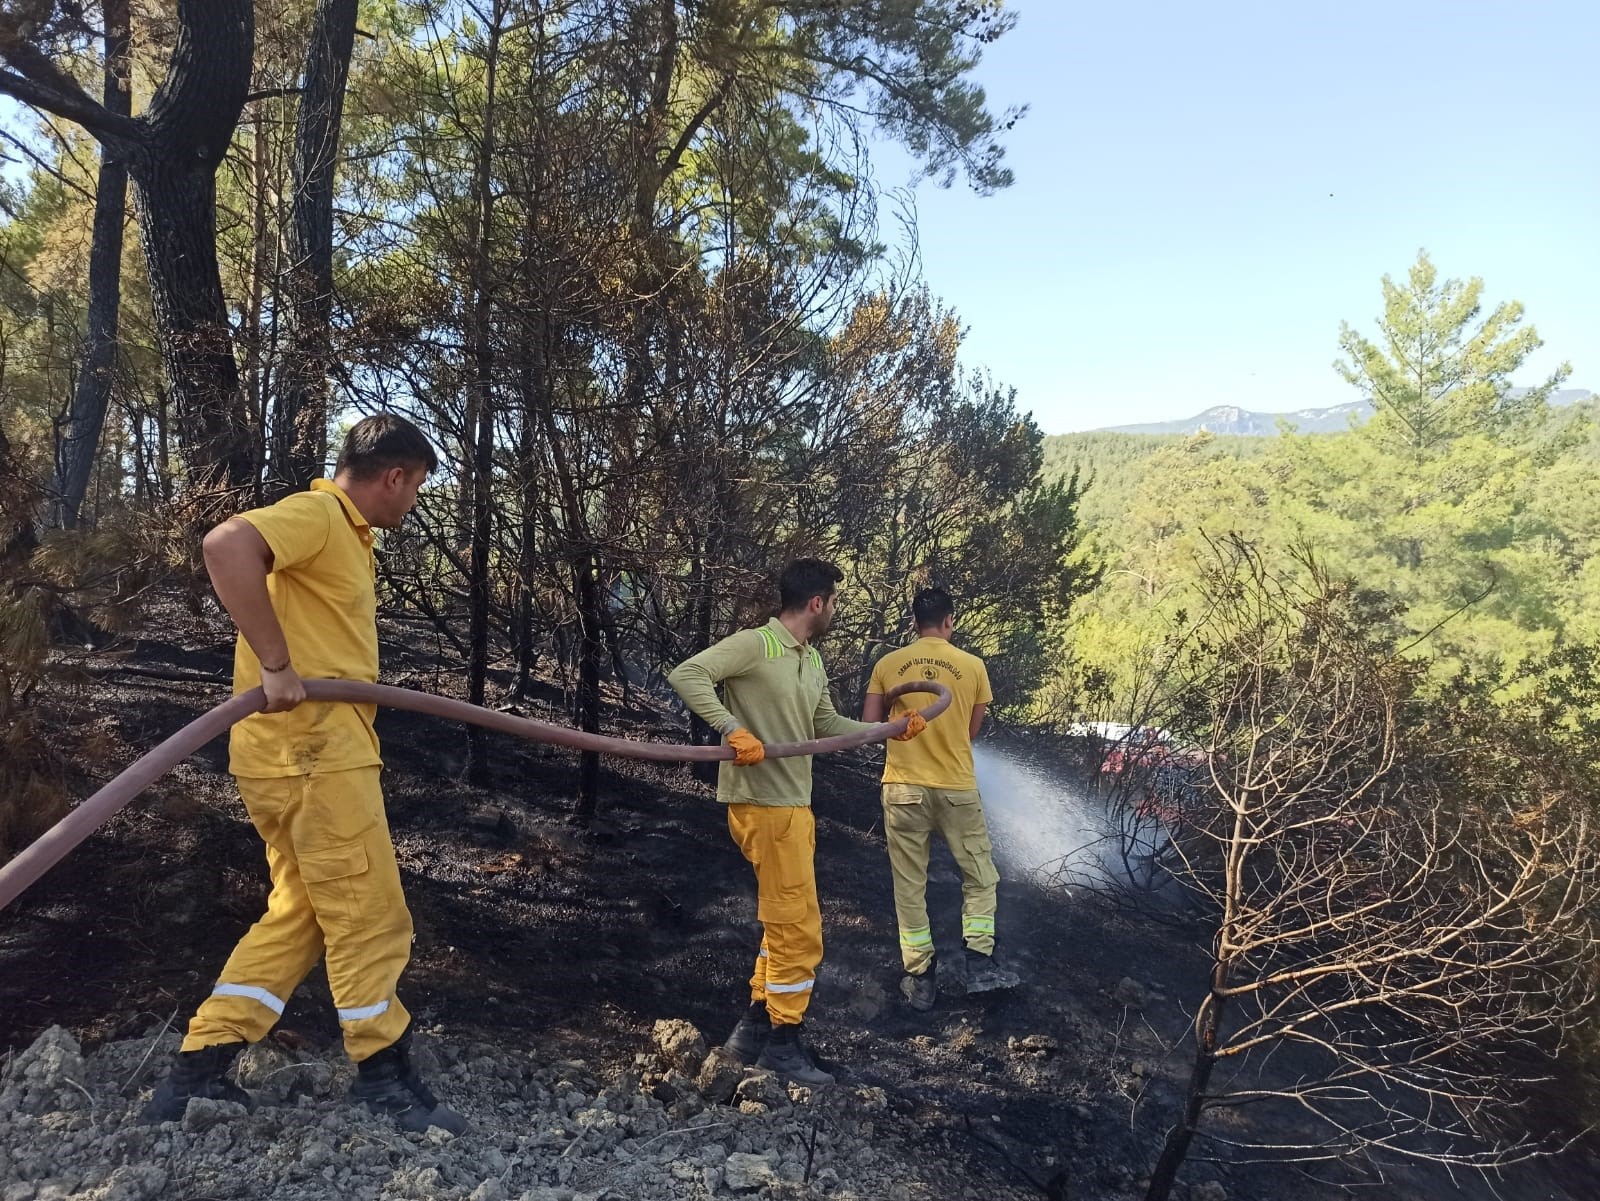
57,842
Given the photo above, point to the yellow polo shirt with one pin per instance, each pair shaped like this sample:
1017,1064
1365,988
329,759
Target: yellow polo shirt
322,586
941,756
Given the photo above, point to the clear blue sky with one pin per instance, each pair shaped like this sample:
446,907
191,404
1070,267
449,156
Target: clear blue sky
1204,191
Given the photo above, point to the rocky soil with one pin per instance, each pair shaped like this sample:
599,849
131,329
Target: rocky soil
678,1125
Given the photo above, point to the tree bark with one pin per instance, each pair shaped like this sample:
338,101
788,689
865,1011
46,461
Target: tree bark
300,424
186,132
586,573
700,731
533,375
480,419
257,371
80,442
584,565
177,216
1176,1147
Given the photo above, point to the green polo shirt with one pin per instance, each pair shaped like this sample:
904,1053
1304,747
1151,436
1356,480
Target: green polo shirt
775,688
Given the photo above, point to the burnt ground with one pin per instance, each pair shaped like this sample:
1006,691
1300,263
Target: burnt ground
531,934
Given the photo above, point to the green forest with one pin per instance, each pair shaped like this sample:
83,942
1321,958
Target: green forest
1466,501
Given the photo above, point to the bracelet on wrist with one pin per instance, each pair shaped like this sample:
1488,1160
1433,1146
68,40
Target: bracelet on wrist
284,666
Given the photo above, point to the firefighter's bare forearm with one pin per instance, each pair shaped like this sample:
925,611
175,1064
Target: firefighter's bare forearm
238,560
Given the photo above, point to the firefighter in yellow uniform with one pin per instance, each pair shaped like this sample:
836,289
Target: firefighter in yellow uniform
930,785
298,580
775,689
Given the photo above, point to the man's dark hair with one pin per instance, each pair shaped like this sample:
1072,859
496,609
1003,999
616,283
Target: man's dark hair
930,607
385,440
803,579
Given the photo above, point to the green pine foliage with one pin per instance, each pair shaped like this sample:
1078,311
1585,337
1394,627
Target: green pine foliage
1469,503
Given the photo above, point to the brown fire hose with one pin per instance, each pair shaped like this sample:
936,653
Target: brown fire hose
55,843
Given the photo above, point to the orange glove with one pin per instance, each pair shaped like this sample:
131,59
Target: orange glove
915,724
747,748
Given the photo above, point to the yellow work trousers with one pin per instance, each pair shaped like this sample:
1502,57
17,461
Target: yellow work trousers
335,891
781,844
911,813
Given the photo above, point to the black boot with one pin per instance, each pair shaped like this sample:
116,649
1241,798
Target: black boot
787,1055
921,989
750,1035
199,1073
985,975
388,1083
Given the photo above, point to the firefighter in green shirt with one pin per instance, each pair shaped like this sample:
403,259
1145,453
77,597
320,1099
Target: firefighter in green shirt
775,689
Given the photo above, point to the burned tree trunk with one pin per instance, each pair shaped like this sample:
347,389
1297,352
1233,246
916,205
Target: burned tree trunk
186,131
1176,1147
81,440
300,422
586,573
479,425
177,217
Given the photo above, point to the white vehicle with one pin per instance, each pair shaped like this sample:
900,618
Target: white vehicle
1106,731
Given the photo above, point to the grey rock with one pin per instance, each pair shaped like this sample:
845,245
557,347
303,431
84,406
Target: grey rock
868,1001
870,1098
762,1088
1209,1190
713,1155
680,1044
745,1173
719,1076
132,1182
47,1077
1129,992
276,1074
316,1154
1034,1044
203,1113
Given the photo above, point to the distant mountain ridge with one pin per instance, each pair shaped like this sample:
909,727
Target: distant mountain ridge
1231,419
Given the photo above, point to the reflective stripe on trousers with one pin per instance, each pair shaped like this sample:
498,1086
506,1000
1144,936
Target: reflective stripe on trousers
911,815
336,895
780,844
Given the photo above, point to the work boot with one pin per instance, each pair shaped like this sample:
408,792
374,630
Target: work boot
750,1035
201,1073
386,1082
985,975
921,989
786,1055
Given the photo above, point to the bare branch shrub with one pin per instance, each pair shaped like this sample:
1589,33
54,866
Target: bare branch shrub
1398,884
